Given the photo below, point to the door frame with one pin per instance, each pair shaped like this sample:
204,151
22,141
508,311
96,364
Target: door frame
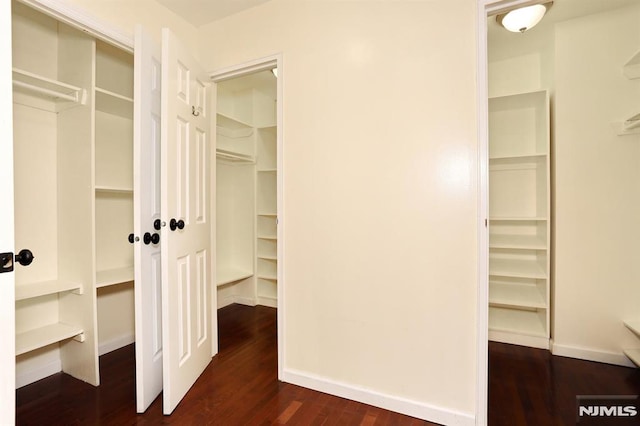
485,9
239,70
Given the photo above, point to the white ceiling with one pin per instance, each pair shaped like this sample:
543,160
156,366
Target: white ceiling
200,12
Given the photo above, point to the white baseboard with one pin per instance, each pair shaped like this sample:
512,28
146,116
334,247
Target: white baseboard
117,343
591,355
271,302
39,373
409,407
232,298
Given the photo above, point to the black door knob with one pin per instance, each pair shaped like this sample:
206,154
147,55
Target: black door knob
157,224
149,238
131,238
173,224
24,257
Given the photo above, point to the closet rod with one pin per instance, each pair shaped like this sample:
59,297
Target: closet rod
41,90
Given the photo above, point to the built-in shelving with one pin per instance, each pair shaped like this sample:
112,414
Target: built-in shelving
519,224
44,288
633,325
114,276
44,336
113,189
114,103
47,88
229,275
633,355
234,156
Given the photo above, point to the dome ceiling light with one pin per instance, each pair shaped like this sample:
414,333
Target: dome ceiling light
524,18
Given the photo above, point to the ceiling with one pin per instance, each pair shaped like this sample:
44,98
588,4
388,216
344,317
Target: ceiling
200,12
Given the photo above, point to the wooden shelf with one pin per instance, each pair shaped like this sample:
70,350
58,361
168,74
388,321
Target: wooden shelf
525,242
516,268
226,275
267,237
523,157
226,122
516,295
113,189
518,219
268,214
43,336
47,88
268,277
233,156
633,355
44,288
267,257
516,321
113,103
633,325
267,170
114,276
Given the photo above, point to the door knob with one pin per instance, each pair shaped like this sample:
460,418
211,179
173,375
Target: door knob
157,224
173,224
151,238
131,238
24,257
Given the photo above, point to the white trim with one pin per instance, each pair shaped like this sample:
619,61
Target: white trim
79,18
256,65
39,373
588,354
271,302
394,403
117,343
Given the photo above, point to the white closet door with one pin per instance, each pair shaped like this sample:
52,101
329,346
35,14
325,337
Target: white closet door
146,209
187,274
7,280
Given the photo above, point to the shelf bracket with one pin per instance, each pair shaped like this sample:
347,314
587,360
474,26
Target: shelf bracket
80,337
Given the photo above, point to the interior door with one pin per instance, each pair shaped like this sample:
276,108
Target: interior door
7,279
187,274
146,223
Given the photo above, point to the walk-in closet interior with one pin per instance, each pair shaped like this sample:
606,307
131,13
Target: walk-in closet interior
74,206
564,179
246,190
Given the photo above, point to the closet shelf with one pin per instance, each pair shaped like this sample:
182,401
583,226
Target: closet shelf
48,88
633,355
227,122
267,170
631,69
515,296
43,336
268,277
267,214
114,103
267,237
113,189
629,126
516,269
43,288
517,219
235,157
226,275
114,276
267,257
532,156
633,325
525,242
516,321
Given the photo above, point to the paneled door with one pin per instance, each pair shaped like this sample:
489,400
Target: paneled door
7,279
147,220
187,274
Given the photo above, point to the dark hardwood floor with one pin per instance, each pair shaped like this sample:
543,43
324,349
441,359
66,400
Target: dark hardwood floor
240,387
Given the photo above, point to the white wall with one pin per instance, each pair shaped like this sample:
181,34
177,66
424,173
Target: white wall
380,183
597,175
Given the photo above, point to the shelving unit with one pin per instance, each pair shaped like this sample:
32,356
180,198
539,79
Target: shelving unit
631,124
519,228
633,354
246,191
73,129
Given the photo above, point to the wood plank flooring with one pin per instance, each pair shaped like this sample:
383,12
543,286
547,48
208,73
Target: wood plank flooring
240,387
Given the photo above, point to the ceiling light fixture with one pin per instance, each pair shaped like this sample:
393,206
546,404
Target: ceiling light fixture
524,18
